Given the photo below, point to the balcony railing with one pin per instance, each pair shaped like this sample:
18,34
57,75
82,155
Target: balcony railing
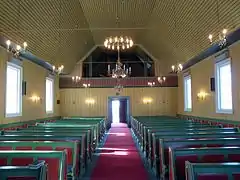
66,82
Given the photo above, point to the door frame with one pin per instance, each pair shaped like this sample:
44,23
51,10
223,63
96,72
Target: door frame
109,107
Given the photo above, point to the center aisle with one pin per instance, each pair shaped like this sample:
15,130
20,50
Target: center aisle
119,158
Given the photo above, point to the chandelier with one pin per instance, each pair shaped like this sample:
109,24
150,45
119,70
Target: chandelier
120,70
17,49
222,40
118,42
177,68
57,70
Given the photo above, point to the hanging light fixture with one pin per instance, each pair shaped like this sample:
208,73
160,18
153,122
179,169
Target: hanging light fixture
177,68
16,49
118,43
161,79
57,70
76,79
222,36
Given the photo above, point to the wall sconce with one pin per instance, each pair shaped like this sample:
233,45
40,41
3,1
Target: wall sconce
35,98
151,84
90,101
86,85
76,79
202,95
161,79
147,100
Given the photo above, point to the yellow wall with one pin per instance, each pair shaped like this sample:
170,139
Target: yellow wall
35,77
201,74
73,101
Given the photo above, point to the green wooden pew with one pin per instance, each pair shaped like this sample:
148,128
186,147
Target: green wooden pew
214,171
100,122
56,161
178,157
71,147
146,136
154,146
81,136
158,134
161,166
140,132
68,125
37,170
40,129
82,152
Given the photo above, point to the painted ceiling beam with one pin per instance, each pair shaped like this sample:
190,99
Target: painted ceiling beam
231,39
27,55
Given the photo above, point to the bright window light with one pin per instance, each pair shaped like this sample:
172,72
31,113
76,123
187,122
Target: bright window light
187,93
223,87
49,95
13,90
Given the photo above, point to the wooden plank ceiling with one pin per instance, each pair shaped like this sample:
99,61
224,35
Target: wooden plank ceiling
63,31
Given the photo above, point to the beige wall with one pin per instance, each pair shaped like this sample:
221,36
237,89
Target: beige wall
201,74
73,101
35,77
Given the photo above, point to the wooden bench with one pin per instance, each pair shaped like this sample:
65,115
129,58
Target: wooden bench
154,146
83,159
147,131
88,130
56,161
35,171
178,157
159,132
71,148
212,171
163,161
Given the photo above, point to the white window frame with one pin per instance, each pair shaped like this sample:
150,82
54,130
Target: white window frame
17,114
218,65
186,108
53,98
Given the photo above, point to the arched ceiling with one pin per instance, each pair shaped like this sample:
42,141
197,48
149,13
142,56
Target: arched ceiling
63,31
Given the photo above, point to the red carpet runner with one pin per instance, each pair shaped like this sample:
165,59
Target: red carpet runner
119,158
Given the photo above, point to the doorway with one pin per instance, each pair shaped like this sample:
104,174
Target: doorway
115,111
119,109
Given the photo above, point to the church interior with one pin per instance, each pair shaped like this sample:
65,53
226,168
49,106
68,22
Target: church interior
119,89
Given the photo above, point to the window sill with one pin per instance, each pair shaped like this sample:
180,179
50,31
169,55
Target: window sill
49,112
12,115
224,112
187,110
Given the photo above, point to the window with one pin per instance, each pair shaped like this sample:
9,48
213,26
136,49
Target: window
13,90
49,95
187,93
223,87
